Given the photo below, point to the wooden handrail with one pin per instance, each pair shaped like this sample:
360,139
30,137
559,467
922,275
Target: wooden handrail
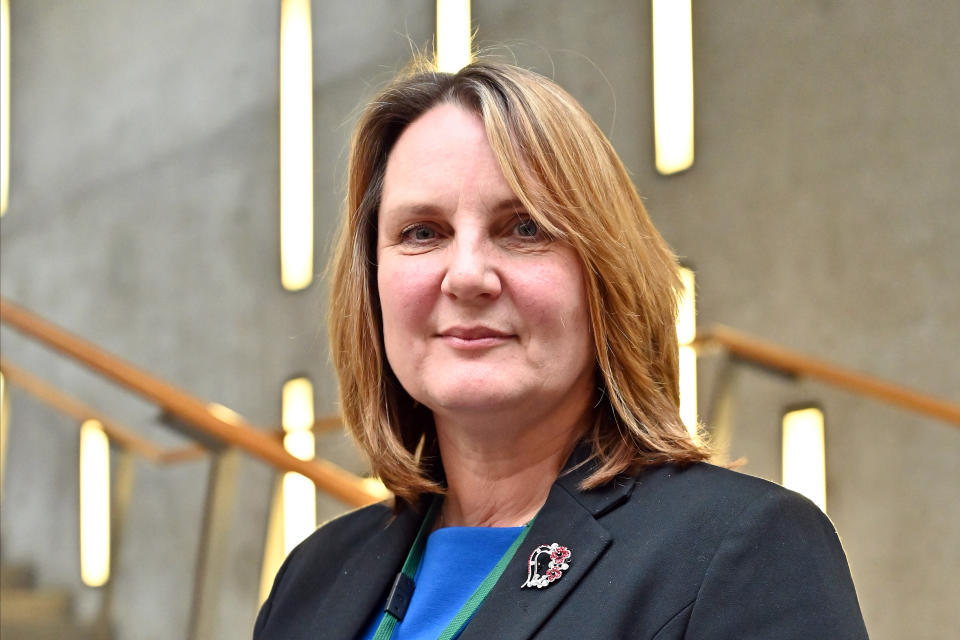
117,433
327,423
320,425
235,432
791,362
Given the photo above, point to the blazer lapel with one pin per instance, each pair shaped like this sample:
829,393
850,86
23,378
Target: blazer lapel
361,588
569,518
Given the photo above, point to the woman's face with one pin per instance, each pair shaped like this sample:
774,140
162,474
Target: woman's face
481,313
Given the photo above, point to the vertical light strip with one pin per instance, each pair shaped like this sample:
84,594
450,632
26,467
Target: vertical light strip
273,544
4,105
296,145
453,35
4,424
804,465
686,332
299,493
672,85
94,504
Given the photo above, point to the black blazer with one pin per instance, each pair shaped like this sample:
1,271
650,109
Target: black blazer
700,553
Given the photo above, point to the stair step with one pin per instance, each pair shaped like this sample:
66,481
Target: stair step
50,630
16,576
30,605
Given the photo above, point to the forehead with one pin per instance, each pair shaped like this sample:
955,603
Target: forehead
440,130
442,152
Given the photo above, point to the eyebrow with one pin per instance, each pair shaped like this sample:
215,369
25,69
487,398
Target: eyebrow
412,209
511,205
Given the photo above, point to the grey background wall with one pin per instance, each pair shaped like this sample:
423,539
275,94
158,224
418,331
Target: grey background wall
820,214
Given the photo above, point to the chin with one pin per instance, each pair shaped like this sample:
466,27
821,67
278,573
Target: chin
469,399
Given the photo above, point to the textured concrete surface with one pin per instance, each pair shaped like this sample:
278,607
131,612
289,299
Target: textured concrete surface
820,214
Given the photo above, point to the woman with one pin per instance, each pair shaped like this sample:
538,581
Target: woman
502,322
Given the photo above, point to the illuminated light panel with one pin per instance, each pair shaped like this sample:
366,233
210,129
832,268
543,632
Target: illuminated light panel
94,504
672,85
688,388
376,488
297,410
300,444
804,458
453,35
686,332
687,309
273,554
4,105
299,509
4,423
296,145
299,498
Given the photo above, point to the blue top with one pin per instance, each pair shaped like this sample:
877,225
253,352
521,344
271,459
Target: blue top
455,562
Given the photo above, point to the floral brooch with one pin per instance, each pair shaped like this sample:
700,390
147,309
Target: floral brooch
546,565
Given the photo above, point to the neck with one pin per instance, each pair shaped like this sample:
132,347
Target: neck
497,478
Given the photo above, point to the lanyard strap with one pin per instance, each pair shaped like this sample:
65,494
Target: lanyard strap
402,589
470,606
403,586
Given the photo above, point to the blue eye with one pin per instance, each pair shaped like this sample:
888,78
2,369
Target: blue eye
528,228
418,233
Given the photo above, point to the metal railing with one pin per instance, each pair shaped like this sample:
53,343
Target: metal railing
784,361
220,437
191,411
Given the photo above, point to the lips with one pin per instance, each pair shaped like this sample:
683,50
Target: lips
473,333
476,337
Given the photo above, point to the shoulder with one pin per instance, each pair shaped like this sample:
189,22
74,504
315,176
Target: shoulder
749,556
304,578
705,479
737,506
698,499
720,494
716,507
325,547
361,520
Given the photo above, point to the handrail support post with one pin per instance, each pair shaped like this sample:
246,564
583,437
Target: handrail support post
720,408
120,497
212,558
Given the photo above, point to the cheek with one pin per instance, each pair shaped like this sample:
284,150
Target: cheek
575,329
404,298
557,302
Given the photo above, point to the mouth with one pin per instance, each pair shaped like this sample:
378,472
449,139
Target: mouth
475,337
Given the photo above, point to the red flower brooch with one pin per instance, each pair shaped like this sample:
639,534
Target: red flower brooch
546,565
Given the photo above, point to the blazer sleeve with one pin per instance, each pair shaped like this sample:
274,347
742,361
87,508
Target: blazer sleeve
779,574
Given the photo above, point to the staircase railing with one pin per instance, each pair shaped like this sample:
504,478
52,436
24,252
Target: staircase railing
782,360
118,434
220,435
130,445
190,410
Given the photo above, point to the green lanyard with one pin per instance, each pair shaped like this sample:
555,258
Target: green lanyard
402,590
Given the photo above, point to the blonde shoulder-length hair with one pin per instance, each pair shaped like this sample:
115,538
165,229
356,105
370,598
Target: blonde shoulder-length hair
571,182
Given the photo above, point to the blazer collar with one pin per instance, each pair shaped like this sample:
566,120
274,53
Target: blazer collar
569,517
599,500
361,587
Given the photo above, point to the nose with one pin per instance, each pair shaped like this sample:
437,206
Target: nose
471,272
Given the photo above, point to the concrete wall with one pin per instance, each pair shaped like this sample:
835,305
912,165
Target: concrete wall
820,214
